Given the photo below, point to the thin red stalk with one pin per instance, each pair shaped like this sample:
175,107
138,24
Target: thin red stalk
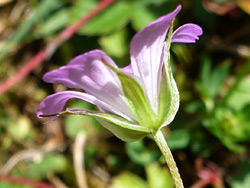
51,47
24,181
200,184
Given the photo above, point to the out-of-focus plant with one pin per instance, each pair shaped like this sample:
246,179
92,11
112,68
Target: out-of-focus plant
157,177
226,121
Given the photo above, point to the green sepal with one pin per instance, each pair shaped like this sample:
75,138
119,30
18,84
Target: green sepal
137,99
122,128
169,98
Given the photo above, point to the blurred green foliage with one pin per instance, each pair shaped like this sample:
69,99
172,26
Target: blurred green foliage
157,177
242,177
4,184
212,76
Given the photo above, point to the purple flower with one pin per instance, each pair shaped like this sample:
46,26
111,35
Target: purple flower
134,97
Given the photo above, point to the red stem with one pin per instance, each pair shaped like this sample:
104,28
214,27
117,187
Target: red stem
200,184
24,181
51,47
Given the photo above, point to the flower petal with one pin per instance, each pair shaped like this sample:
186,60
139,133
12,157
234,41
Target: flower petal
127,70
55,103
89,64
146,55
187,33
88,72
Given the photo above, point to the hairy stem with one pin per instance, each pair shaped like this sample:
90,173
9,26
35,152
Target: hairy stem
162,144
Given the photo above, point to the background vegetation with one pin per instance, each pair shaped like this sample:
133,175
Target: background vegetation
209,136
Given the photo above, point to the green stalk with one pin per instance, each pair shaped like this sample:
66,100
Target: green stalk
158,136
162,144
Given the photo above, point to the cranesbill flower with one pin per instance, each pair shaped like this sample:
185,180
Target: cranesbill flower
133,101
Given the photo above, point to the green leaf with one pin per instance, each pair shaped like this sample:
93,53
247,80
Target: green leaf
179,139
194,107
243,120
114,17
205,75
54,23
115,44
212,80
148,2
242,177
240,96
225,125
158,177
141,17
182,52
218,76
128,180
80,8
139,154
52,163
122,128
5,184
21,128
200,143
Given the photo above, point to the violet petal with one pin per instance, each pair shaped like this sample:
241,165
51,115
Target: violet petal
88,72
128,69
146,55
187,33
55,103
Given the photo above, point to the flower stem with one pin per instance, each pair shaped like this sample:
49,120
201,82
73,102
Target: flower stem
162,144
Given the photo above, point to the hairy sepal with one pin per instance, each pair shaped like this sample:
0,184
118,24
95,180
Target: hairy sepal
136,99
122,128
169,98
